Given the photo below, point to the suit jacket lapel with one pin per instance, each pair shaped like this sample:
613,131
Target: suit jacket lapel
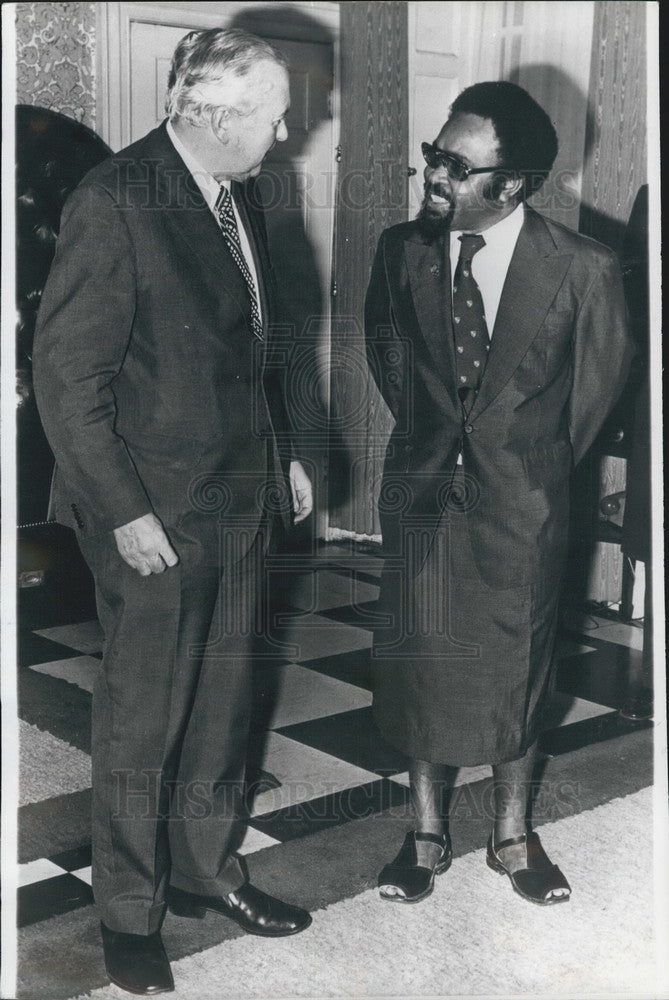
429,270
534,277
178,192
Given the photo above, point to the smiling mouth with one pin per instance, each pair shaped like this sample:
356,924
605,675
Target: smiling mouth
438,195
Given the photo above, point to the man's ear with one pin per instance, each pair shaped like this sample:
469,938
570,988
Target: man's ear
509,187
219,123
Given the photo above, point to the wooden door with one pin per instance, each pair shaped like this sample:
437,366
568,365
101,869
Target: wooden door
371,195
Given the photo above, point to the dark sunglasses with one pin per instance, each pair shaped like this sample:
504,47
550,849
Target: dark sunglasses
455,168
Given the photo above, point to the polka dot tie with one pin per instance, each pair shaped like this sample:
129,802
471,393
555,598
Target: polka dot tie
469,326
228,224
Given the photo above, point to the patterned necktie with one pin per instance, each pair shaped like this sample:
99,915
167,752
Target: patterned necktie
228,224
472,342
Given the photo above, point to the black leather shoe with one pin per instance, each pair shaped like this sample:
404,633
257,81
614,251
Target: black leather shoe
137,963
251,908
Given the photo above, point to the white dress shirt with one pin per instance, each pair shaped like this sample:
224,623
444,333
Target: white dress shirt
491,264
210,189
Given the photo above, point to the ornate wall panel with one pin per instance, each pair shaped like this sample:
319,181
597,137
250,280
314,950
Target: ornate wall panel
372,195
616,138
56,58
615,169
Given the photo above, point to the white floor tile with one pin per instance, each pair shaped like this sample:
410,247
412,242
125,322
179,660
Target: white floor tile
465,775
619,633
310,636
323,590
567,647
304,773
608,630
84,874
37,871
86,637
302,694
371,565
79,670
255,840
566,710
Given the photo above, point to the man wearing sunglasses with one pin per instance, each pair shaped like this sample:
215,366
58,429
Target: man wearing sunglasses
498,340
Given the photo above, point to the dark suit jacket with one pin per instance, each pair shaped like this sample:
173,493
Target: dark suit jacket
558,359
154,394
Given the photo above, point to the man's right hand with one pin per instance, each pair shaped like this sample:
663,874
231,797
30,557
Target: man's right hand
145,546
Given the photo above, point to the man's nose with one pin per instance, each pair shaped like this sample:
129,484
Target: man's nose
282,132
437,175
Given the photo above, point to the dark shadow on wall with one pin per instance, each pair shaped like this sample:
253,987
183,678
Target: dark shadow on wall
542,80
301,313
301,305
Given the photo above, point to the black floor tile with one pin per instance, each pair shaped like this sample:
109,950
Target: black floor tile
54,705
589,638
54,826
581,734
370,575
600,676
34,649
353,668
352,737
364,615
331,810
71,861
51,898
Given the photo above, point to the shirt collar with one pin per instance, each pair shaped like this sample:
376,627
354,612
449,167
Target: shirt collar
504,233
208,185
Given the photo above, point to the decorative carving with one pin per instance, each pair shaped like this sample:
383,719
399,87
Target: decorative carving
55,58
372,195
617,133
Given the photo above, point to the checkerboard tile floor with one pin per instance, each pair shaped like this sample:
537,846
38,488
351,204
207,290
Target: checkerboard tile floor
329,763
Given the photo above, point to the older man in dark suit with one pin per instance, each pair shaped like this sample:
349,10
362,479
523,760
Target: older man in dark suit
167,420
498,340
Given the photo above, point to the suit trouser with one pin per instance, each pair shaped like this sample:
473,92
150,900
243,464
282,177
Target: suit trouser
170,725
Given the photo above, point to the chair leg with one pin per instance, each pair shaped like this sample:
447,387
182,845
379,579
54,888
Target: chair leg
627,589
638,706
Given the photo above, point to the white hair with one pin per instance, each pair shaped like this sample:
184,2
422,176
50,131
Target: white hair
203,63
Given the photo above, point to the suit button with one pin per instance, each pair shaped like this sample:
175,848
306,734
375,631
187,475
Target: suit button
408,447
468,428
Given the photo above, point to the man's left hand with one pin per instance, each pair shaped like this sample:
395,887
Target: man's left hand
300,488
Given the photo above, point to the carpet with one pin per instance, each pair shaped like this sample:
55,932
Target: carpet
48,766
473,937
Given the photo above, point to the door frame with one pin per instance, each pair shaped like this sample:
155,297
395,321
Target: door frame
114,21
